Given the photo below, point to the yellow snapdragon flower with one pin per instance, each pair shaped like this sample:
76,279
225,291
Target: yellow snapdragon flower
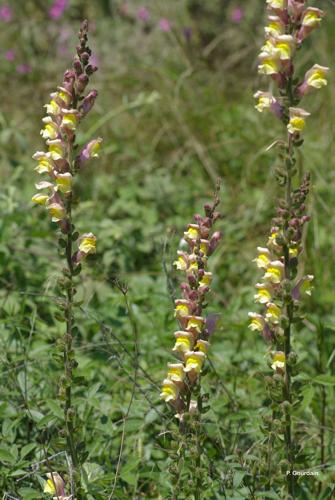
64,182
50,130
202,346
69,118
56,211
273,312
88,243
206,280
312,17
317,76
263,295
176,372
275,4
170,391
274,272
45,163
40,199
278,359
194,361
195,323
297,120
264,257
257,322
184,342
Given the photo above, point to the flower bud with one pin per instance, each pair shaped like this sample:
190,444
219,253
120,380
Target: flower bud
88,102
82,83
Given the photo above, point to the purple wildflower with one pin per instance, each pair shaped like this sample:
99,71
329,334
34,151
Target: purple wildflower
57,9
187,32
143,14
237,15
164,25
5,13
23,69
10,55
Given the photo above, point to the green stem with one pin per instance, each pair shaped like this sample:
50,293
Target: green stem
198,482
68,347
287,331
323,404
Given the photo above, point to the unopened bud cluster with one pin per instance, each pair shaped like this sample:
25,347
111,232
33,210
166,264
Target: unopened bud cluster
289,23
67,107
191,339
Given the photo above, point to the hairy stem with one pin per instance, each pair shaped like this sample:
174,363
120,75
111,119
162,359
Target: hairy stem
68,345
287,331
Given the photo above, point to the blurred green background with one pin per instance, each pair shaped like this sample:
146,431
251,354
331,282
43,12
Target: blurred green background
176,110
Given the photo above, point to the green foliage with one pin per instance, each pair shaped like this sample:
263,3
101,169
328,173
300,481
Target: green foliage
174,117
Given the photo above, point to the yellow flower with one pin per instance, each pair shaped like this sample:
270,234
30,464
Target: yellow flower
40,199
176,372
194,361
182,308
273,312
50,131
316,76
312,17
206,279
257,322
192,233
269,64
297,120
56,149
54,484
195,323
45,164
64,95
52,108
264,100
283,45
264,257
263,295
57,212
170,391
202,346
274,272
293,251
204,244
275,4
181,262
64,182
88,243
272,243
184,342
306,286
69,118
275,26
278,359
192,262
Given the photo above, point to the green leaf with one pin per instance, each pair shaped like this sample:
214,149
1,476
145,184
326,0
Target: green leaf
238,478
6,455
27,449
29,494
325,380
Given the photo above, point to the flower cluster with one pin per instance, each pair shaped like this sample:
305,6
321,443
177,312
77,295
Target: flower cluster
289,23
191,339
280,286
67,107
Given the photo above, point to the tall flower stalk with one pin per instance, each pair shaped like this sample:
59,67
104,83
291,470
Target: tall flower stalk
281,289
60,164
182,385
